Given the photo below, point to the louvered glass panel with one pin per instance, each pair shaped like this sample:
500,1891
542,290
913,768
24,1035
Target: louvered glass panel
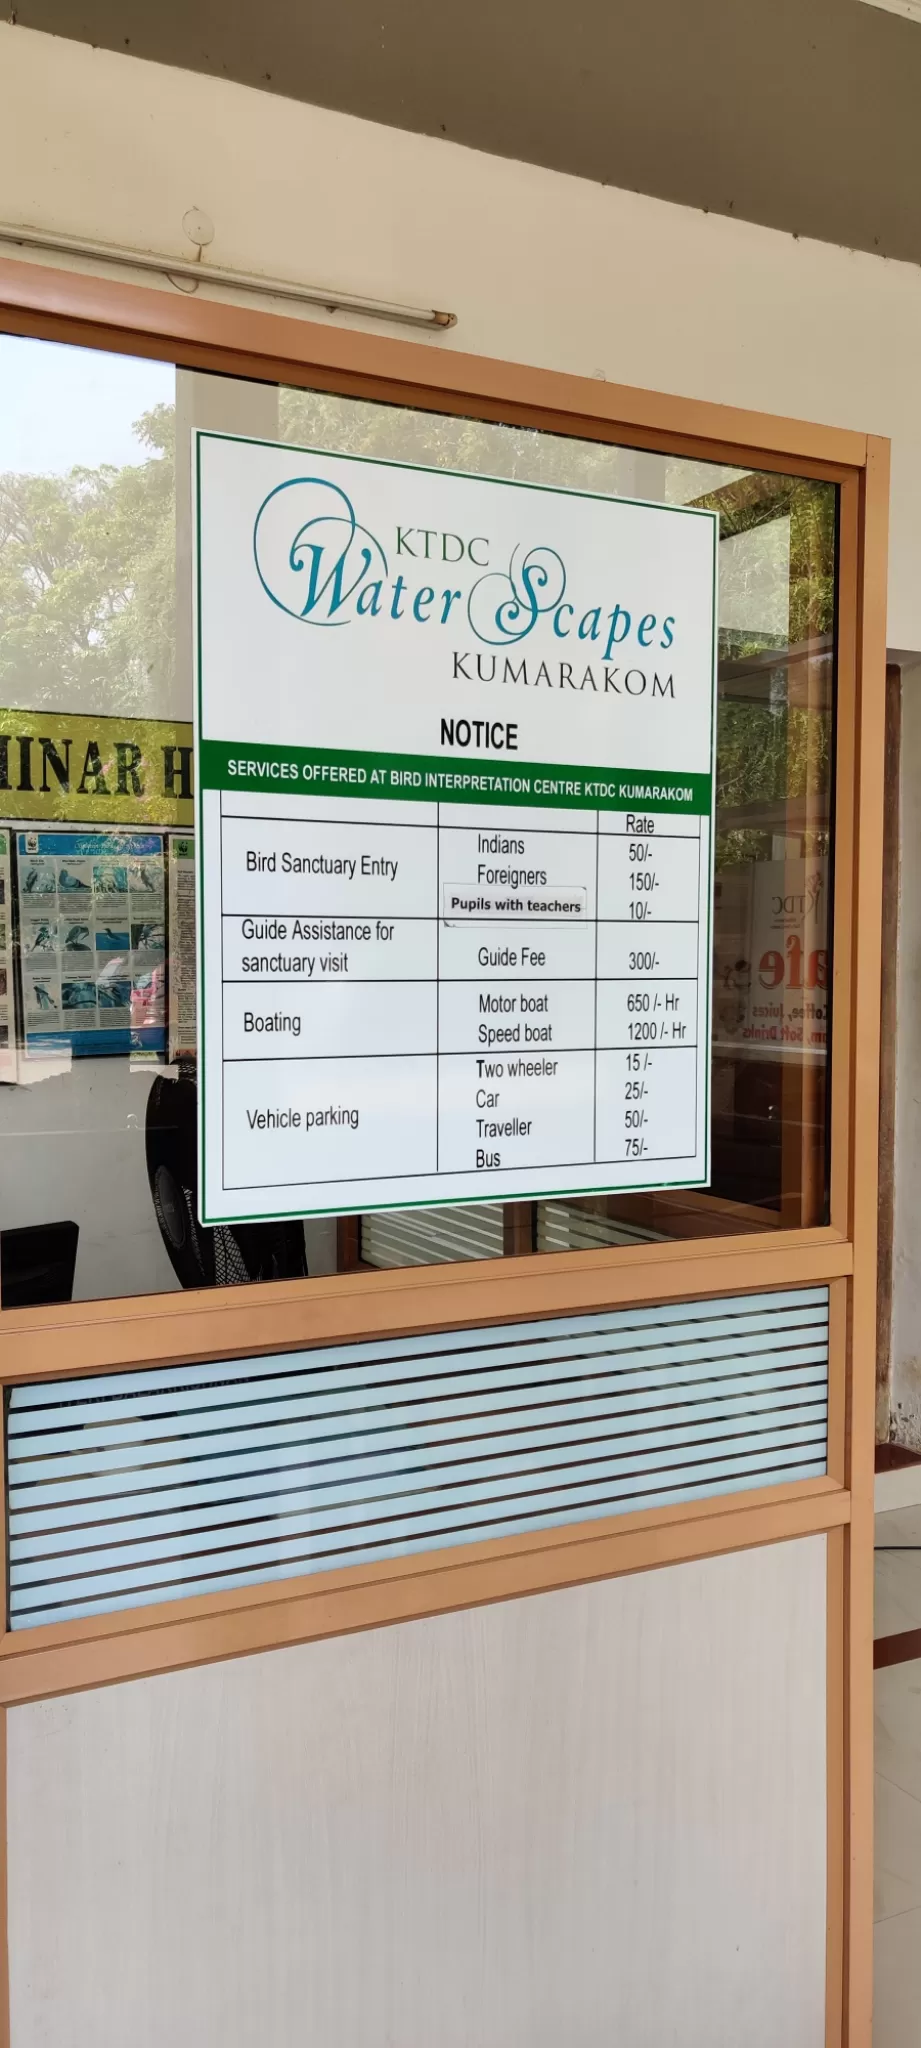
141,1486
576,1227
425,1237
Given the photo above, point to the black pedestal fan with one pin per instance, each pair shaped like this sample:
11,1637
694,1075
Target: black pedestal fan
230,1254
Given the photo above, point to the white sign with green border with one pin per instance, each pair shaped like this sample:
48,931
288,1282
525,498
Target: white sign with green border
454,775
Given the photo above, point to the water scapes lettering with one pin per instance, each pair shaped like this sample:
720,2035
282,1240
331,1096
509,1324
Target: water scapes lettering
318,563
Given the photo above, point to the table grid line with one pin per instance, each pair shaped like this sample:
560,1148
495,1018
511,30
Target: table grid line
512,927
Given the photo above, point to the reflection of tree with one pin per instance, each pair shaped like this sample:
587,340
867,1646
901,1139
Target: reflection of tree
773,767
762,502
775,706
87,580
319,419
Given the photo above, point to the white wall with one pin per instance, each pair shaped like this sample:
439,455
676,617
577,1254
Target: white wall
592,1816
897,1856
540,268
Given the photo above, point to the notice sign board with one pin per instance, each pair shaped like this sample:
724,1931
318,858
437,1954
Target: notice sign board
455,784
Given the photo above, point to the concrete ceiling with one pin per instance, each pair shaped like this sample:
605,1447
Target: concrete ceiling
801,114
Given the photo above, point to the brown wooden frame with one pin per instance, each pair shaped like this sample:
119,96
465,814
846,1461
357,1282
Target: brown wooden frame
892,831
100,1336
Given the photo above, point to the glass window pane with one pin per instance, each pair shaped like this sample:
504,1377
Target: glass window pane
98,1078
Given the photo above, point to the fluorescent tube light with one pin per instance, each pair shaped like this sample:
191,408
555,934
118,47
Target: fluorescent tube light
198,272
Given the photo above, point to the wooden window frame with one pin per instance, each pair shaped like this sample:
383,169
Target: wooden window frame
99,1336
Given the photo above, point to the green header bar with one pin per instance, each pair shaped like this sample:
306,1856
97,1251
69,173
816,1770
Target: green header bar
430,778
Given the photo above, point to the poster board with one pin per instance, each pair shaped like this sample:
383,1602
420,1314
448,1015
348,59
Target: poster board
181,927
8,1054
771,967
92,942
454,772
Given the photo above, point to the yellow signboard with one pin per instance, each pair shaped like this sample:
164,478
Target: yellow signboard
106,771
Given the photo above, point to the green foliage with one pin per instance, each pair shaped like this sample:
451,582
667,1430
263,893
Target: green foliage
768,754
87,582
318,419
774,727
